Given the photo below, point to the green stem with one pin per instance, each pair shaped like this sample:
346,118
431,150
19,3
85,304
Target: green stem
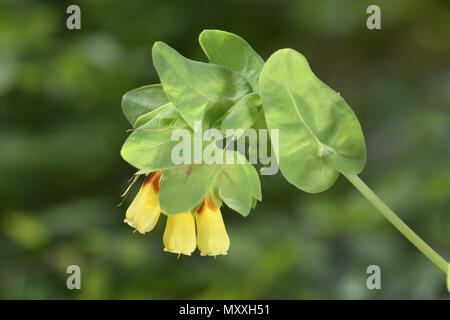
440,262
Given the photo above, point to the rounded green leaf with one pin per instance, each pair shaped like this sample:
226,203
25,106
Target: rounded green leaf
146,117
184,187
238,183
254,182
150,146
319,135
233,187
142,100
244,114
233,52
200,91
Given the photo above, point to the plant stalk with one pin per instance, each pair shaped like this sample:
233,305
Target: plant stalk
434,257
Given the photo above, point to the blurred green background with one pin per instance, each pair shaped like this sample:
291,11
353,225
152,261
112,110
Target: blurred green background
61,129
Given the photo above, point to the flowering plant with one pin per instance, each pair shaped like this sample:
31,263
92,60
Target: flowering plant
314,136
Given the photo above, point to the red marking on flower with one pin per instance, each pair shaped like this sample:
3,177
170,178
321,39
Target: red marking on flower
211,205
149,177
202,206
153,177
156,182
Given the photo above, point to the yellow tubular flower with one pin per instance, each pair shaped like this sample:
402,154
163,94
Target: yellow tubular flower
212,238
179,235
144,211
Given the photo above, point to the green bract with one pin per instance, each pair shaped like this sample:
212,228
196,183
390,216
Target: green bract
244,114
146,117
232,52
237,185
143,100
184,187
149,148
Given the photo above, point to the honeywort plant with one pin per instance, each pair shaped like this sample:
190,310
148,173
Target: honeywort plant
319,138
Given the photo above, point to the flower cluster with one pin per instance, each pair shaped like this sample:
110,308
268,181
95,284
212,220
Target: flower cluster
184,231
179,130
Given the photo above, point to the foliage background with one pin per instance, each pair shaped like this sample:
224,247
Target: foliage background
61,130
